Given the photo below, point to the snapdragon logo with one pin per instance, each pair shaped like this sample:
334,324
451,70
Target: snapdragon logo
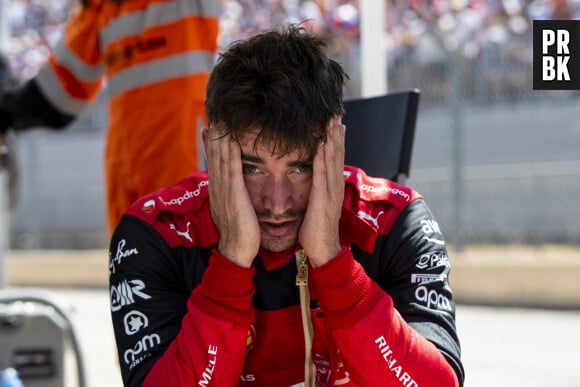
394,191
187,195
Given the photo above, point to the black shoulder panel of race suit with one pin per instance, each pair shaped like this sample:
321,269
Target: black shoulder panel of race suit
420,286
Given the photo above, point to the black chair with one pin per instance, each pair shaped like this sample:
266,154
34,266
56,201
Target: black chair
380,132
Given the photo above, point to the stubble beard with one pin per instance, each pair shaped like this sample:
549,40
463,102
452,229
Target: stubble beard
278,244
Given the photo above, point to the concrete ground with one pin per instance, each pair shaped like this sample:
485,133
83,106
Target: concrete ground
517,318
502,347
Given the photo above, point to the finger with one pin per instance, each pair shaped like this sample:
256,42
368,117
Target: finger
220,147
213,150
235,162
319,168
223,142
218,172
334,156
336,132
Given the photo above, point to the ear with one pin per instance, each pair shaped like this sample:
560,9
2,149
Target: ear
205,137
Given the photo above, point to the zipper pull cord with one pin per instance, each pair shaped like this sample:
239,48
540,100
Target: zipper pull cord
302,276
302,283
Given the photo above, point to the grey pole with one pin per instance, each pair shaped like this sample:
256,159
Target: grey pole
4,215
373,55
3,158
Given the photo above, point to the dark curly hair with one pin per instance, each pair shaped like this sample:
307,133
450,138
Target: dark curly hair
281,82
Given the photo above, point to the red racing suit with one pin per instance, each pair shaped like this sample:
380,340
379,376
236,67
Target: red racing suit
382,311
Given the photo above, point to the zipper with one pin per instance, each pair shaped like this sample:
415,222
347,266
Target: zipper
302,283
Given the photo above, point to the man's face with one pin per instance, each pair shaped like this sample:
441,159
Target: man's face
279,188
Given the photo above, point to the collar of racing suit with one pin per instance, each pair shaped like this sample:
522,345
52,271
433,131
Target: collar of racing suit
353,230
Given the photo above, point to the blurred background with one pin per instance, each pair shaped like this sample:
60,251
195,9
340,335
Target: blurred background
498,163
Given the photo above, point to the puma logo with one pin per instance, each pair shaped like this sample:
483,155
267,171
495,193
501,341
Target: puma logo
184,234
373,220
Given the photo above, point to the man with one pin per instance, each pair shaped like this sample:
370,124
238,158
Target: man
280,266
155,57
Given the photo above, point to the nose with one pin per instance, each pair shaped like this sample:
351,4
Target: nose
277,195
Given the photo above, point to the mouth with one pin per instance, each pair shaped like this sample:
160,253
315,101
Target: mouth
278,229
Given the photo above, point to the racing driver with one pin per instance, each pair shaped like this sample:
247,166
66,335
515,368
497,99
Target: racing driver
281,266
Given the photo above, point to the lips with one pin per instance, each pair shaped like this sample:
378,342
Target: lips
278,229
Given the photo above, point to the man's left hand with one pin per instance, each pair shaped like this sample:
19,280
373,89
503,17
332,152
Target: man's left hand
319,233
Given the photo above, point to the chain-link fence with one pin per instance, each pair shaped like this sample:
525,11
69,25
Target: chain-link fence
497,161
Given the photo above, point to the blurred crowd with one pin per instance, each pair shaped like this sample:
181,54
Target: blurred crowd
34,26
496,32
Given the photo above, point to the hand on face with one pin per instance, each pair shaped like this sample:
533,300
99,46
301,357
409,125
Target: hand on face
230,203
234,204
319,233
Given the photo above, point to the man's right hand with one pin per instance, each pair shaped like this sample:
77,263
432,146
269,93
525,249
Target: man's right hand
231,208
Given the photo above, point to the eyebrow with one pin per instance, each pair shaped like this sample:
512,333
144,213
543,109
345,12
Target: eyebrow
258,160
252,159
